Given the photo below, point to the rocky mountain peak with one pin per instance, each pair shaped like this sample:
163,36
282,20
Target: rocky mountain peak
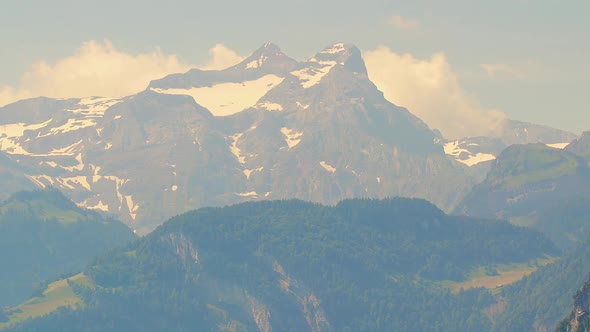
268,56
345,54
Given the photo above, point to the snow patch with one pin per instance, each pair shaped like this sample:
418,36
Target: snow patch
477,158
74,182
311,76
69,150
99,206
256,63
335,49
228,98
94,106
95,176
174,188
11,133
378,179
327,167
248,172
558,145
292,137
118,184
302,106
453,149
235,150
248,194
38,179
78,167
72,125
131,206
269,106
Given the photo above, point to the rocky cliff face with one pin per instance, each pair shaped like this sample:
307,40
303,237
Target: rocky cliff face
579,319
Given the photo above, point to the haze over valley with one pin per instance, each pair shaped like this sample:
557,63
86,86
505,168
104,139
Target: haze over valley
407,167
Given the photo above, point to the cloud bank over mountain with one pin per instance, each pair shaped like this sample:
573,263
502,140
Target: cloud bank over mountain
430,89
100,69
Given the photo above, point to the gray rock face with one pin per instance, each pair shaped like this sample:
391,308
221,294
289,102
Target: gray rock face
518,132
581,146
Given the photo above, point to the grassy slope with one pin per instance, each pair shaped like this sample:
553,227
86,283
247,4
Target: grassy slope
506,274
58,294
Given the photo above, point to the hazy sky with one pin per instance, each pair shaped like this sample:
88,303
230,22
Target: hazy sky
529,60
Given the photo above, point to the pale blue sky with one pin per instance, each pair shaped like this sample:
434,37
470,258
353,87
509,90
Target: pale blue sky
543,47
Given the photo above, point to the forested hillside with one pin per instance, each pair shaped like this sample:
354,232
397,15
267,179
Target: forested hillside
545,297
363,265
44,235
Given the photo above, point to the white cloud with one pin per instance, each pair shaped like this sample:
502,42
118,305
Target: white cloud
99,69
402,22
430,90
221,58
495,70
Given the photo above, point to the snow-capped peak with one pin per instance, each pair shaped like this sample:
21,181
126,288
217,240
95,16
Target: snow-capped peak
268,55
344,54
334,49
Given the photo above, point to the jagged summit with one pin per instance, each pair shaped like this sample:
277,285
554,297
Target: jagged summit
341,53
269,56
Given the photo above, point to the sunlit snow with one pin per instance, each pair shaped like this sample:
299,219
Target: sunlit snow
228,98
292,137
11,133
69,150
256,63
94,106
248,172
327,167
71,125
248,194
235,150
311,76
269,106
453,149
335,49
303,106
558,145
131,206
99,206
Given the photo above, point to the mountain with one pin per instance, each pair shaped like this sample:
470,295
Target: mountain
581,146
362,265
537,186
44,235
13,177
477,152
267,128
518,132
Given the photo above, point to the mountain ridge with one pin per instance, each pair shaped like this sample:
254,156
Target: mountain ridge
316,130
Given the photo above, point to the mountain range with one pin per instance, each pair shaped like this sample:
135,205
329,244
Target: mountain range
269,127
